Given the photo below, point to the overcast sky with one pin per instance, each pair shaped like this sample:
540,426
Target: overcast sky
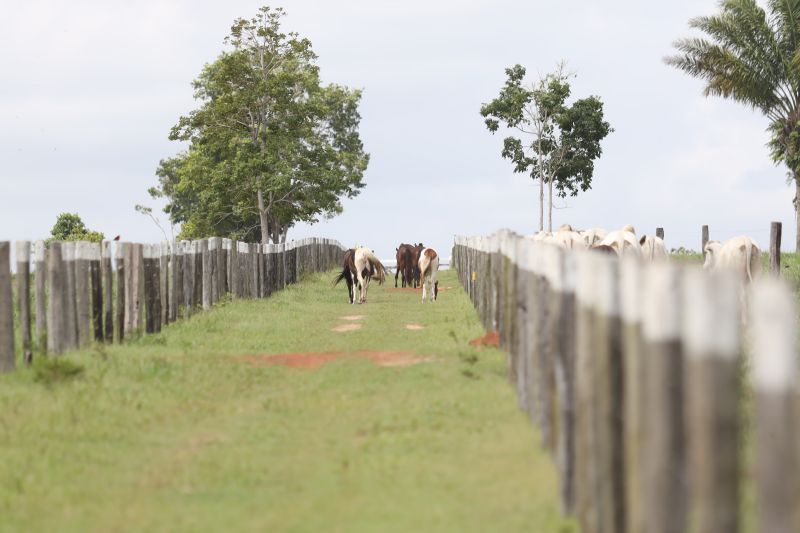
90,89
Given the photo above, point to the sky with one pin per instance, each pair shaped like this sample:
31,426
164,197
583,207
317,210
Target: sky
90,89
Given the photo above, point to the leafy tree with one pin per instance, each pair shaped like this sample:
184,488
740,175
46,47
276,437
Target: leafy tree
752,56
70,227
558,143
269,146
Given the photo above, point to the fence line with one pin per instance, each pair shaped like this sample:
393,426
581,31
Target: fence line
80,297
633,374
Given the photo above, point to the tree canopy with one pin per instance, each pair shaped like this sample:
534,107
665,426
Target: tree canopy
270,144
752,56
70,227
558,143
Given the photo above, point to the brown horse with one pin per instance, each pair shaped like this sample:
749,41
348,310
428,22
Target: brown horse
416,250
404,265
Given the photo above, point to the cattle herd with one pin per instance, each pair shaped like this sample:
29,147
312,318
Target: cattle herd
738,253
416,265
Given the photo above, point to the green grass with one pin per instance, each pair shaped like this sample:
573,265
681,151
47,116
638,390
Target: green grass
175,432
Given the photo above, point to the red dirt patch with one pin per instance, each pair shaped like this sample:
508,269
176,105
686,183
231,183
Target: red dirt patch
492,338
351,317
317,359
411,289
414,327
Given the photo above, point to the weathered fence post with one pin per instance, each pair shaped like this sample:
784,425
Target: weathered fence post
609,387
634,393
139,287
586,467
775,249
705,240
149,300
214,244
777,430
198,274
122,255
175,280
233,268
664,448
24,297
93,251
57,299
70,302
163,282
188,277
108,293
83,294
660,233
711,345
40,254
205,256
7,354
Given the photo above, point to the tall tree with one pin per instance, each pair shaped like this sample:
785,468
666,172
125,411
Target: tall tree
752,56
269,146
558,143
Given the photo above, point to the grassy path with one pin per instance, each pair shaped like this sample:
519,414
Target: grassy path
178,431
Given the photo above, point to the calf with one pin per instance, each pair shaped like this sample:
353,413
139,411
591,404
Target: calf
428,267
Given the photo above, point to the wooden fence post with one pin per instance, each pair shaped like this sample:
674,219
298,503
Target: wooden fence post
163,282
660,233
711,319
40,254
138,288
188,277
634,394
122,255
7,353
24,297
777,430
608,388
775,249
57,299
155,284
664,448
70,304
705,241
93,251
586,467
233,267
175,280
214,248
108,293
83,293
205,257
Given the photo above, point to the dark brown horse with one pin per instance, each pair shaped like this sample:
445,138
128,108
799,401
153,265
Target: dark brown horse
415,274
404,265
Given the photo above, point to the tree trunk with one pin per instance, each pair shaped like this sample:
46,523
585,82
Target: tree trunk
797,211
550,205
284,232
262,213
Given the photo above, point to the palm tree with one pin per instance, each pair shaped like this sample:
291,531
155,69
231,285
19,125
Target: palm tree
753,56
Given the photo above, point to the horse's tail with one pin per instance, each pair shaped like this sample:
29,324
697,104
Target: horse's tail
339,277
380,270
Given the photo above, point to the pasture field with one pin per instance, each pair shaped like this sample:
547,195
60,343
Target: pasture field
193,429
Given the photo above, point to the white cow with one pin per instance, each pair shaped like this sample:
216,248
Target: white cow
739,253
653,248
593,236
623,242
542,236
568,239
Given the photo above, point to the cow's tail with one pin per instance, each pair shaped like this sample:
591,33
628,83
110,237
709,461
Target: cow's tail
748,256
380,270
